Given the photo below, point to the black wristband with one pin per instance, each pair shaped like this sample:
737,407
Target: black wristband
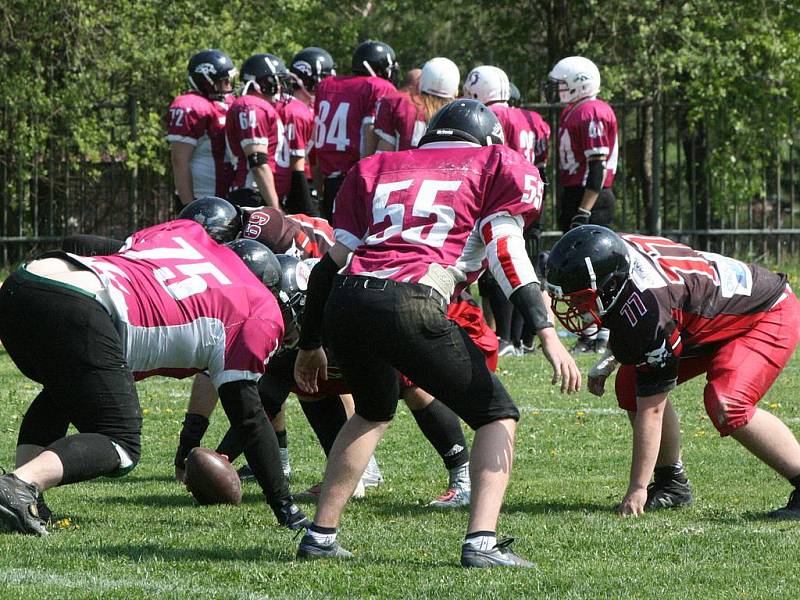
319,286
528,301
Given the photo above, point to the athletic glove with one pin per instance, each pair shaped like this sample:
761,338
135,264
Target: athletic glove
581,218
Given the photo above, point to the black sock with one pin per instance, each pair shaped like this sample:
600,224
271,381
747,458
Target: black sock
795,481
442,428
326,417
320,529
281,435
194,428
674,472
475,534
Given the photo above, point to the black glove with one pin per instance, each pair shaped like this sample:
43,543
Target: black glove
581,218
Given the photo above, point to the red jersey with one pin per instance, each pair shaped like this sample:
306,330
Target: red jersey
343,107
298,235
400,121
541,136
587,128
524,132
194,119
298,127
185,304
443,203
679,302
254,121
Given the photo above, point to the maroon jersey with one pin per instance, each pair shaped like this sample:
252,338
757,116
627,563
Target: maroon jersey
400,121
194,119
523,132
186,304
587,128
679,303
343,107
254,121
298,127
298,235
454,204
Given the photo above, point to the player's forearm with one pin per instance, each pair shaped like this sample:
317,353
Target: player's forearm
182,176
265,181
646,439
370,139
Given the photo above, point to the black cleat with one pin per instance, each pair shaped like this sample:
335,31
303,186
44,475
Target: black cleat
245,473
309,549
289,515
791,510
499,556
18,508
668,493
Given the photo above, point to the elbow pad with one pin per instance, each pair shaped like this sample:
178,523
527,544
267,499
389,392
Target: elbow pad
257,159
529,302
596,175
319,286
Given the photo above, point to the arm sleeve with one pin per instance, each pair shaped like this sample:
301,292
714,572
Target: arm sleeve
506,253
319,286
529,302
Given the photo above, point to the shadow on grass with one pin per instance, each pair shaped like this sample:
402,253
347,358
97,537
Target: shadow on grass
177,499
154,552
384,506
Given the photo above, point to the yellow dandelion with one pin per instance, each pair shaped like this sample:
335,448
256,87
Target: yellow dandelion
145,411
63,523
774,405
580,413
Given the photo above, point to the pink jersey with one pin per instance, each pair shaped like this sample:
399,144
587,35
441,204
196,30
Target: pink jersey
587,128
196,120
400,212
254,121
523,132
400,121
297,235
298,124
185,304
343,107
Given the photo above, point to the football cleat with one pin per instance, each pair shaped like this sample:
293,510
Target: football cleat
499,556
668,493
285,465
791,510
507,349
45,514
372,476
458,490
18,506
583,346
315,490
245,473
309,549
289,515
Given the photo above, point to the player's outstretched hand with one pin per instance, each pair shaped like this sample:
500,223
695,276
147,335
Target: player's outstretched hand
633,503
600,372
564,367
310,365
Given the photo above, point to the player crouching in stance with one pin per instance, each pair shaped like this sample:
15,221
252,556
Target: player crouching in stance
675,313
419,225
171,302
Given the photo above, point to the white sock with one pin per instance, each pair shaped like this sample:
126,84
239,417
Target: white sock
482,542
322,539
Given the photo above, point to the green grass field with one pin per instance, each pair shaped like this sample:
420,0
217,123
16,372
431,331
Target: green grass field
144,537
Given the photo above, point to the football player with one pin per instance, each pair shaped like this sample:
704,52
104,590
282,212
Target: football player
417,228
402,117
255,135
587,149
675,313
344,112
172,302
196,128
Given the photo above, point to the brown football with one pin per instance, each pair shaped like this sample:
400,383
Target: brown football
211,478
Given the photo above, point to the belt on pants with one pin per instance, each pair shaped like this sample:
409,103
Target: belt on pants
376,283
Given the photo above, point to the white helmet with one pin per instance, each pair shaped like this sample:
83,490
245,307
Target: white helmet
440,77
487,84
574,77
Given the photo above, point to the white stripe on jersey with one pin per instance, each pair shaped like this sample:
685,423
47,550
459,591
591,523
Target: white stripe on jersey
347,239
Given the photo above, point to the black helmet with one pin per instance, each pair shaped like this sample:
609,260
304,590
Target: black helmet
586,272
312,65
221,219
464,120
375,58
260,260
514,97
293,285
266,71
209,71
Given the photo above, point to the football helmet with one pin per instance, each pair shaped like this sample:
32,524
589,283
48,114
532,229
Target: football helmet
211,74
375,58
439,77
572,79
464,120
312,65
586,272
487,84
260,260
293,285
514,97
221,219
265,73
